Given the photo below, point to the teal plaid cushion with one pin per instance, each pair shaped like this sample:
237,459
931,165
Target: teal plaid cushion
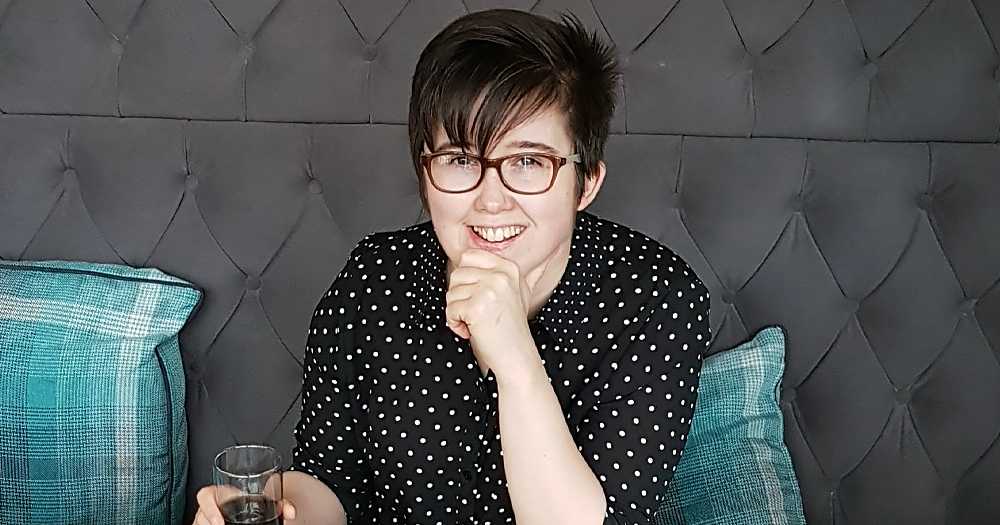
92,426
735,468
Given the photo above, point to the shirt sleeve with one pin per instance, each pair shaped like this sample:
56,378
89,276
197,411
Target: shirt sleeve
633,438
327,443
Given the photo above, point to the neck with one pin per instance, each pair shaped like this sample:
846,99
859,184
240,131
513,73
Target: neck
544,284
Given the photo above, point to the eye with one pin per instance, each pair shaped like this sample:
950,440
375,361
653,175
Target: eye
457,161
528,161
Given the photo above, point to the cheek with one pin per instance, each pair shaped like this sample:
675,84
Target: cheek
561,208
446,216
440,209
555,217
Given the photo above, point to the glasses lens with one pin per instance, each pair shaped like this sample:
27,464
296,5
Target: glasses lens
455,171
528,173
524,173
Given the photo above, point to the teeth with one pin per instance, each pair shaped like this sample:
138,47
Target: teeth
497,234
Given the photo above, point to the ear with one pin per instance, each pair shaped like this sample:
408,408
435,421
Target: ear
591,185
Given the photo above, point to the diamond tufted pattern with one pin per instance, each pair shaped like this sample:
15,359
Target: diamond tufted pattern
827,165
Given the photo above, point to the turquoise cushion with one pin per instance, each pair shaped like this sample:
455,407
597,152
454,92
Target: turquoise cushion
92,426
735,468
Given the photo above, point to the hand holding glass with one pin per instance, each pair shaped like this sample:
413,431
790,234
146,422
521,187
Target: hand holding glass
248,480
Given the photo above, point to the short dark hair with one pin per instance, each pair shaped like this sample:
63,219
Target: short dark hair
489,71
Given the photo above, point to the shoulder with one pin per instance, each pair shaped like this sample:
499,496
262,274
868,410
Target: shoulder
662,304
630,255
388,253
382,260
395,246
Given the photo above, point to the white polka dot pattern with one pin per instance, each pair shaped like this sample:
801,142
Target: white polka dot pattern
398,420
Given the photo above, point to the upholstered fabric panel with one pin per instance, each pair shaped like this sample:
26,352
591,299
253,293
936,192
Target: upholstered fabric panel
854,70
826,165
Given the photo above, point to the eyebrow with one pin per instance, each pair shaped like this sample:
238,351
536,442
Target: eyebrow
518,144
445,147
537,146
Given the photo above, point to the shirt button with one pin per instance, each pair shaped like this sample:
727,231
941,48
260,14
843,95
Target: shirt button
466,475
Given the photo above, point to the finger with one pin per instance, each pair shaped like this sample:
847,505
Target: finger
479,280
201,519
478,265
461,329
468,303
473,258
288,510
208,507
458,293
467,275
454,317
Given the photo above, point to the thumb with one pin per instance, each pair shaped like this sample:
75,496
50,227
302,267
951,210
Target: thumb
533,276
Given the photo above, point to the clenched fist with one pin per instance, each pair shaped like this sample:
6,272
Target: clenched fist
488,302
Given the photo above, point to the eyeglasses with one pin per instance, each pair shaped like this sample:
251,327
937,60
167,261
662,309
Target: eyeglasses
524,173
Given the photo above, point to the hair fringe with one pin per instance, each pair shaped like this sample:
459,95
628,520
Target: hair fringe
490,71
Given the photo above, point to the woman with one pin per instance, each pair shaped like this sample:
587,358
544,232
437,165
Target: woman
515,359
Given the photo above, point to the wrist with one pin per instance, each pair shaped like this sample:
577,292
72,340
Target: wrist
526,375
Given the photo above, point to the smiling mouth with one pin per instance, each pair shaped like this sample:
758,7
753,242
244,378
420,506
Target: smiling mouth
497,234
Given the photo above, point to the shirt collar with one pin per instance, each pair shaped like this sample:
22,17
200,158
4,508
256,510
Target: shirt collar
563,314
429,268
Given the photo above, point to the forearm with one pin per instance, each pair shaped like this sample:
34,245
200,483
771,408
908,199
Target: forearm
548,479
314,502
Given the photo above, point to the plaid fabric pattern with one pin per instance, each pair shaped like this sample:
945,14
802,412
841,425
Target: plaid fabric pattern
92,424
736,468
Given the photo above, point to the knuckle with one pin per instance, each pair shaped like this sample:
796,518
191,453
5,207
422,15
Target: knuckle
484,302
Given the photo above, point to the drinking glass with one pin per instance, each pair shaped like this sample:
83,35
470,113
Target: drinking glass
248,481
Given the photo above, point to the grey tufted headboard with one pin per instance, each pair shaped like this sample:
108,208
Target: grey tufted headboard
827,165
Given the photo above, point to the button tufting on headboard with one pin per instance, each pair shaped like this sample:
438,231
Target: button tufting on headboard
828,166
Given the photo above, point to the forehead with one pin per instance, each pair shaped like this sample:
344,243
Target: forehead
546,129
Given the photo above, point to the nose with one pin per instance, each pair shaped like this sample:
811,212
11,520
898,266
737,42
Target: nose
493,196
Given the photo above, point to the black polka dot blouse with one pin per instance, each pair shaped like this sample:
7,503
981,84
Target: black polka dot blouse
399,421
